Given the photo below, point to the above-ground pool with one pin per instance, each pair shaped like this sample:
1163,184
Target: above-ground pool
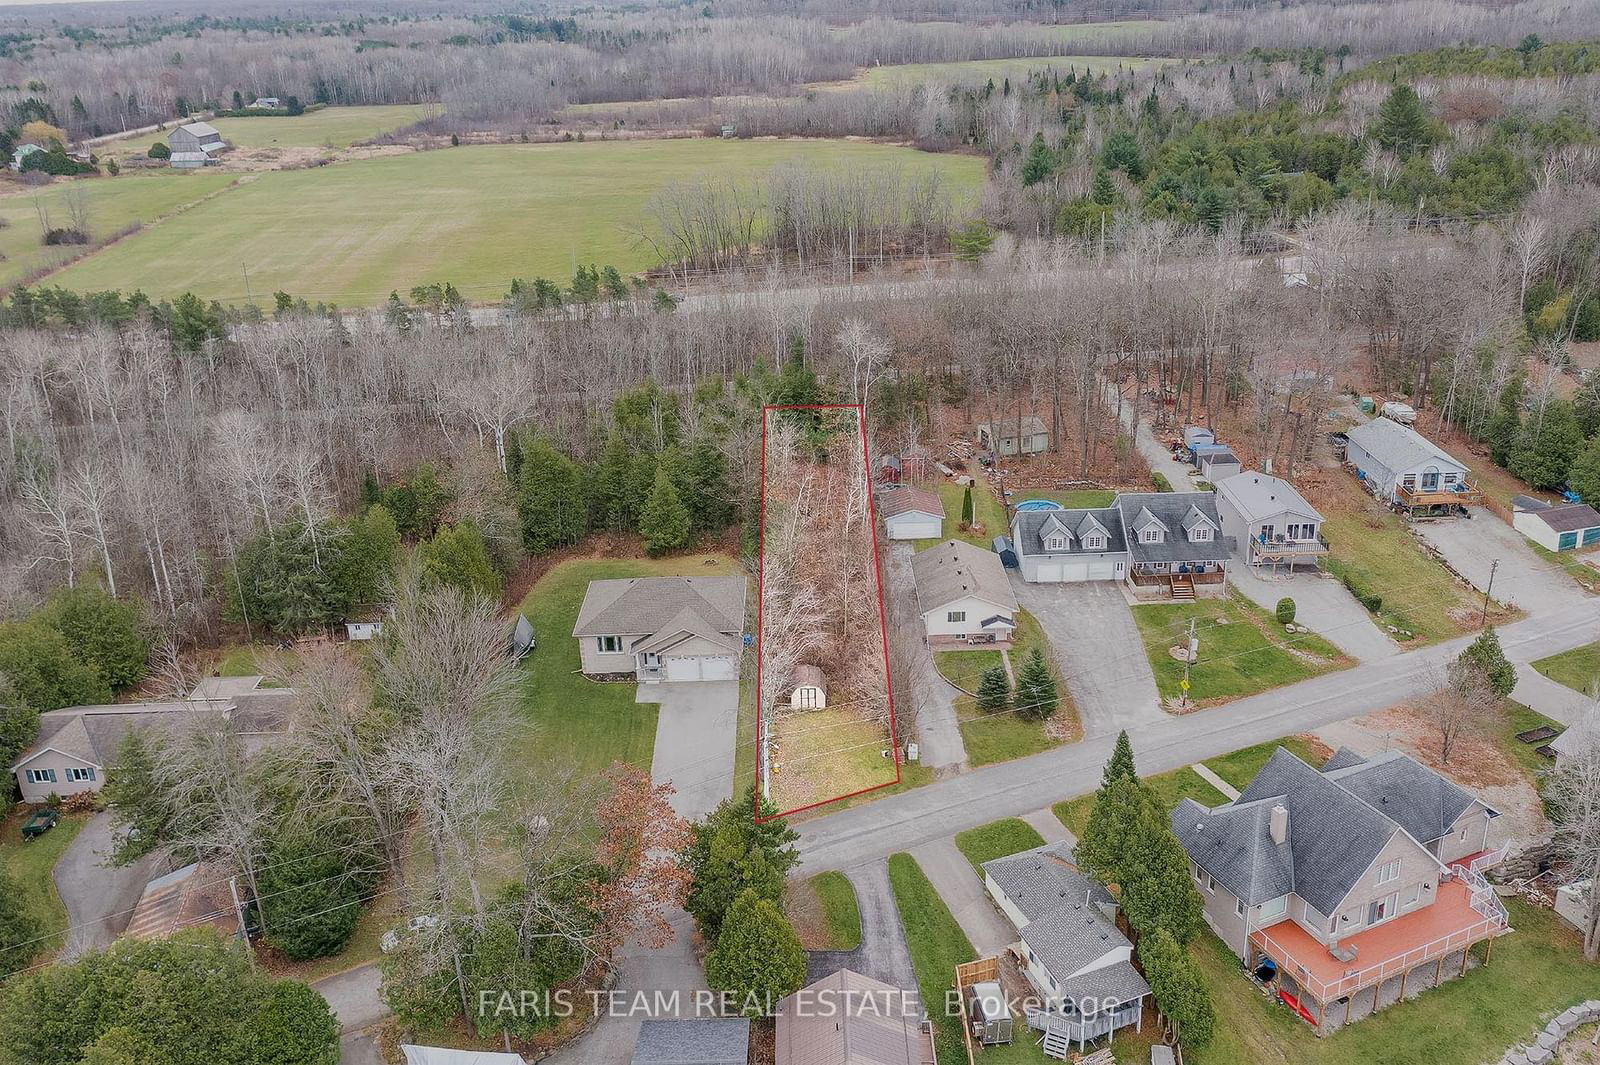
1039,504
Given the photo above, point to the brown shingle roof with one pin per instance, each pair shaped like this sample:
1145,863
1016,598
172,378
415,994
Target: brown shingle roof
909,500
850,1019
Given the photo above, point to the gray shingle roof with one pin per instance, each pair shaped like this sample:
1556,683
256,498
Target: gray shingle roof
1170,509
1030,525
1339,821
699,1041
1006,428
1071,937
1410,794
1258,496
1118,982
1040,880
1397,446
954,570
92,734
1570,517
641,606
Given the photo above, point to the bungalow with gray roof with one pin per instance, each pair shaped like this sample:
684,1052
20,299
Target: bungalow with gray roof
963,595
662,628
1270,521
1342,886
1078,962
1163,544
1400,466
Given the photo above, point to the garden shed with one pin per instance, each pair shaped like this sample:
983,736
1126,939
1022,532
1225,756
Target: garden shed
810,689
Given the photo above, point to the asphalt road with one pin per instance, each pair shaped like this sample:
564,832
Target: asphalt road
905,821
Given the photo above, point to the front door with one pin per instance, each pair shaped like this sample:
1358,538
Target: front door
1430,480
1383,908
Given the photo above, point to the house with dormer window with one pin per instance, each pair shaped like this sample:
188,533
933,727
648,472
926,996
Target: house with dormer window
1162,544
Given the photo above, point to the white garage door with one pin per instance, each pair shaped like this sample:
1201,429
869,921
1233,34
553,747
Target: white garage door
1075,571
1047,573
707,667
915,528
1102,571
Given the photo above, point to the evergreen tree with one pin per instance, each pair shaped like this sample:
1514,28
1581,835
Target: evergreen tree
994,690
105,633
1037,696
1040,163
1120,765
1545,448
1104,191
729,852
368,556
19,935
702,478
457,556
311,893
758,957
139,810
1486,654
1114,828
1503,429
1157,891
1403,125
1179,989
551,504
19,726
613,489
664,522
1584,477
44,671
967,512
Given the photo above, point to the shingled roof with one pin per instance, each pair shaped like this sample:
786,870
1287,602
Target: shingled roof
908,500
642,606
1172,509
954,570
693,1041
1410,794
92,734
1399,447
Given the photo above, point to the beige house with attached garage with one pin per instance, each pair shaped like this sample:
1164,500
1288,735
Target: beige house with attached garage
76,746
1014,436
1346,888
662,628
963,595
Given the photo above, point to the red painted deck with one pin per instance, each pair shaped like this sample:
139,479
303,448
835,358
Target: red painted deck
1388,950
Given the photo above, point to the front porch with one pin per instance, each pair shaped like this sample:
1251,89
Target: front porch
1388,962
987,641
1190,582
1429,495
1278,552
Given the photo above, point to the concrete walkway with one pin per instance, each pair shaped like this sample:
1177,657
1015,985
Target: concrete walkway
1048,825
962,889
1205,774
933,700
99,897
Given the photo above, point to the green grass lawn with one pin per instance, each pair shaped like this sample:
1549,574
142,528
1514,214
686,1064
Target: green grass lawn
936,944
841,914
1517,718
29,865
574,721
986,509
1250,653
996,840
329,127
112,204
1377,550
474,216
1578,669
1571,562
1082,499
1534,973
1171,788
1001,737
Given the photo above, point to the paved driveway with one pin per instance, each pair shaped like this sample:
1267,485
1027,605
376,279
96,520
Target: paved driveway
962,890
98,897
933,701
1321,603
695,736
1523,578
1098,650
883,954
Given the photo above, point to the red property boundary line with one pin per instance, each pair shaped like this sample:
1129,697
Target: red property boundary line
877,576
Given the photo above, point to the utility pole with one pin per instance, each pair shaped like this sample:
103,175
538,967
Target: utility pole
1484,619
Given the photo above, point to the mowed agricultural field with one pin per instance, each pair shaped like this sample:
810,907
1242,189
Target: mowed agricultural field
979,70
330,127
474,216
113,205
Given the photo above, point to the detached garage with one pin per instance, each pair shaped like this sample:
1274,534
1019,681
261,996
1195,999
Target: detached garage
1558,527
911,513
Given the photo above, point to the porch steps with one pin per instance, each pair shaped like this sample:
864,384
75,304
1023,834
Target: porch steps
1182,587
1056,1043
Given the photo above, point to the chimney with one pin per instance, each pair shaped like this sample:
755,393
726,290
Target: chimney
1280,824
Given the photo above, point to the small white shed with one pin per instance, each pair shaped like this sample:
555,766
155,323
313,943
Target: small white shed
1557,527
363,630
810,689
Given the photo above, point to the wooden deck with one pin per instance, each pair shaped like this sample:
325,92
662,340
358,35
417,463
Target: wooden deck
1462,494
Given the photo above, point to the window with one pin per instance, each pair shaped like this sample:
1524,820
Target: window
1095,543
1238,907
1194,871
1057,543
41,776
1200,533
1211,884
79,776
1151,535
1274,908
1463,832
1382,909
1389,871
956,617
610,645
1413,893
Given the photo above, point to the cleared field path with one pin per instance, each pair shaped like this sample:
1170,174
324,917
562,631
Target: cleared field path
474,216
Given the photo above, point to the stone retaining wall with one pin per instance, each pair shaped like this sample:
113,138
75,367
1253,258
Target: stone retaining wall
1543,1048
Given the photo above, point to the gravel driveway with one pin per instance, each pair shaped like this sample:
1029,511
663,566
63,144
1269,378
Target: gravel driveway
1098,650
1523,578
932,699
695,736
98,897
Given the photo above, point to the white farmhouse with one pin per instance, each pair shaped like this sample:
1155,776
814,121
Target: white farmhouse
963,595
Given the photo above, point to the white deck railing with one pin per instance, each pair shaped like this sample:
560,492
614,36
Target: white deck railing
1355,979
